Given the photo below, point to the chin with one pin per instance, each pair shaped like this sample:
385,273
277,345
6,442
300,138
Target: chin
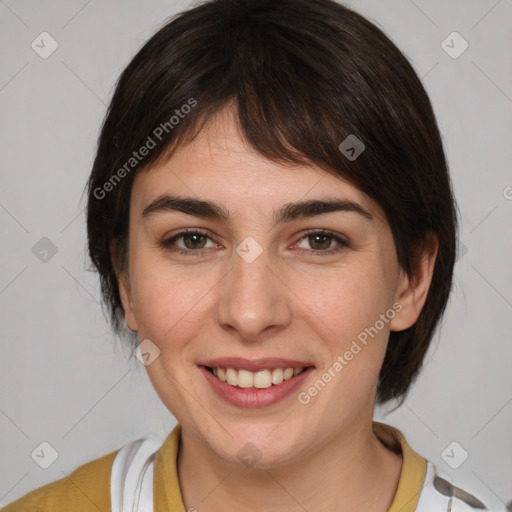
257,446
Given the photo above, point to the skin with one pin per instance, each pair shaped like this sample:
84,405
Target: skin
287,303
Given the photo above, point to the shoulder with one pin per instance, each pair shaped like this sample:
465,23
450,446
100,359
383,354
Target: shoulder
441,493
423,487
86,489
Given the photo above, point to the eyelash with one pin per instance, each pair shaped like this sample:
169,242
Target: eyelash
167,243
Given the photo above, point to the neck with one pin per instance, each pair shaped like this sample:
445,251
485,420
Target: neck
354,471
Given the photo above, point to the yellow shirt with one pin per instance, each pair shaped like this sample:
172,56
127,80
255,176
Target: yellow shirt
87,488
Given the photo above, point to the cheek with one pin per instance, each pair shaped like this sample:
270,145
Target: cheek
346,300
169,302
344,310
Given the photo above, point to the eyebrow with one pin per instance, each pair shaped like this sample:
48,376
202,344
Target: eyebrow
289,212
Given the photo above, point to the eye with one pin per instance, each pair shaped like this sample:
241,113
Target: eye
193,241
321,242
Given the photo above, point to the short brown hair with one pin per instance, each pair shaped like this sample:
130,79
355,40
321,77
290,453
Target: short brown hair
303,75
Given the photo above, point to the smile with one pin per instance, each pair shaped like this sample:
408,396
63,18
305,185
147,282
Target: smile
255,383
261,379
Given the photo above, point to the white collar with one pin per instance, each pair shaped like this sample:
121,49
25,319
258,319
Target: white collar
131,483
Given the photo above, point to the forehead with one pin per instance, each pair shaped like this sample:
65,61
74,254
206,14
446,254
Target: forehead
219,165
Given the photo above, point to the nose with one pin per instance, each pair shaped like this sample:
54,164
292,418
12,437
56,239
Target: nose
254,300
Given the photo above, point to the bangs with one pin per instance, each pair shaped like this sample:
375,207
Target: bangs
274,80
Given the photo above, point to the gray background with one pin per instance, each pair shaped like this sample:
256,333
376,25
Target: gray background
66,380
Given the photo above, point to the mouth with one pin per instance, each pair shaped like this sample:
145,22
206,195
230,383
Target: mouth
255,383
262,379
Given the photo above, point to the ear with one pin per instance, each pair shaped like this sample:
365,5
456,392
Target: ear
121,271
412,291
125,292
126,300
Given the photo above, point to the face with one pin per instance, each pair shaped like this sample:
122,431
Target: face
244,289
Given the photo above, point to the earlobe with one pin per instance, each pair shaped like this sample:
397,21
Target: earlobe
413,290
126,300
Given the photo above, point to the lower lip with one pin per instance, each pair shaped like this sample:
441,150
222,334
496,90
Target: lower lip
254,397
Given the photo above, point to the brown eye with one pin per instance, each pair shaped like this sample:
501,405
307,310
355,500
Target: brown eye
192,240
321,243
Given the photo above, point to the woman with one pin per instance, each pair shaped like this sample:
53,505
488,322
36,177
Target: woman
271,216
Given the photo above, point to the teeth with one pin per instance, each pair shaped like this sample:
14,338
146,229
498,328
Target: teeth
277,376
245,379
231,376
261,380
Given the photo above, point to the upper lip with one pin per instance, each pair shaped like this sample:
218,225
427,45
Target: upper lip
254,365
